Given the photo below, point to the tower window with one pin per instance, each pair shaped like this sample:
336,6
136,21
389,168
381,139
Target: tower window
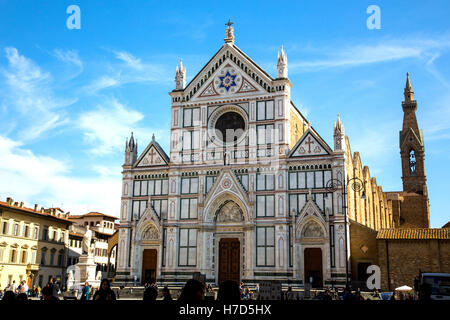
412,162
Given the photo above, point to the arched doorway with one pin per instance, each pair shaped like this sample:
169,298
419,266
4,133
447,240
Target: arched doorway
149,265
313,267
229,219
229,259
148,248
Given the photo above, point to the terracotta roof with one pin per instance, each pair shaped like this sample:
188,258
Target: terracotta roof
91,214
37,212
414,234
76,234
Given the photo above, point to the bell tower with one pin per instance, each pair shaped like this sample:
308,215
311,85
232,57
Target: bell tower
414,207
412,149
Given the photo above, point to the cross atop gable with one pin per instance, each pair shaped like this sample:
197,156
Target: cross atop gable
153,155
310,144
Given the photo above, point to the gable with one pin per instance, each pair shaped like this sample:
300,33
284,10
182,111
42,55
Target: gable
229,80
410,138
310,144
245,76
152,156
226,187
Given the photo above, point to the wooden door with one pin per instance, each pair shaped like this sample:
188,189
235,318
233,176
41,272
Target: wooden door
229,260
149,262
313,266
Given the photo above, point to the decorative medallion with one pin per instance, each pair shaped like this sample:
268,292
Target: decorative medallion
364,249
226,183
227,81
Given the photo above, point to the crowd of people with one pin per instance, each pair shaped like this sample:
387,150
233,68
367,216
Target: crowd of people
194,291
52,291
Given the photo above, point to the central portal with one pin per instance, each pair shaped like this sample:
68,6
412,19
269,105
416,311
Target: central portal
149,262
313,267
229,260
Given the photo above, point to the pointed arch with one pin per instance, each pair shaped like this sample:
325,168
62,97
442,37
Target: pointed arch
281,252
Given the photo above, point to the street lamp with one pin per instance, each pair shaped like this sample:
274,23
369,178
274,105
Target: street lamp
357,185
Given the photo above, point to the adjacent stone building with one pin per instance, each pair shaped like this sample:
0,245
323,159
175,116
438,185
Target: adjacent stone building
399,238
404,253
33,244
103,228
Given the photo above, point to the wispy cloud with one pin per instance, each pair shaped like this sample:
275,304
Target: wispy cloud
103,82
28,95
436,125
129,59
131,70
69,57
363,54
376,147
106,126
32,178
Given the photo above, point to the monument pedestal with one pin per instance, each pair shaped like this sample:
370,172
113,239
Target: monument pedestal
84,270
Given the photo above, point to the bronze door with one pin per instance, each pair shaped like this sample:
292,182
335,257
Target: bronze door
229,260
149,262
313,266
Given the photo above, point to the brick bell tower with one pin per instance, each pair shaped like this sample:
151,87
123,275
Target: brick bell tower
412,151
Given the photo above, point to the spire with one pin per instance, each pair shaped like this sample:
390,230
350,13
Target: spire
153,137
180,77
338,126
409,93
131,142
130,150
282,68
339,135
229,32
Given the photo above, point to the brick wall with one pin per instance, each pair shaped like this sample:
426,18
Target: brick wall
363,247
414,211
407,257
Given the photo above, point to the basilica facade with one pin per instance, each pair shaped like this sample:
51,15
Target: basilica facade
249,191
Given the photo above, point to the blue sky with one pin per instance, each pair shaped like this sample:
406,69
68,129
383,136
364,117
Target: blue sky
69,98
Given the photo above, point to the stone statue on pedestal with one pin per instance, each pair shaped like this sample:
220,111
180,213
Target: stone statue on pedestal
86,244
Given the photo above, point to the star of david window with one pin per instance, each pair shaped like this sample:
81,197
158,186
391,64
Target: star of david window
412,162
227,81
230,127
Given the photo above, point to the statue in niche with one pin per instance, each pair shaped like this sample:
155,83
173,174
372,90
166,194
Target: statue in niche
150,234
229,212
312,230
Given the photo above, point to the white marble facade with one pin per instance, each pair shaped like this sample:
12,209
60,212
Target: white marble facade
260,188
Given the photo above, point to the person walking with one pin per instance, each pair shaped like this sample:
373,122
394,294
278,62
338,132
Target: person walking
47,294
193,291
85,293
166,294
289,294
229,292
104,293
13,287
150,294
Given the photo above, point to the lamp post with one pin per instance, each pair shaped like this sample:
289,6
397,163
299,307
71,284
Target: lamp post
357,185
